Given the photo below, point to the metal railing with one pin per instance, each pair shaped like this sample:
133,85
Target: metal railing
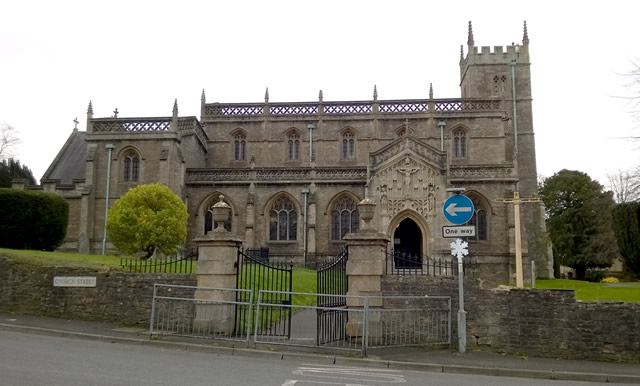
376,321
407,264
165,264
410,321
201,312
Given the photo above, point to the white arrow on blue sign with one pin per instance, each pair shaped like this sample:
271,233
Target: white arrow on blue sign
458,209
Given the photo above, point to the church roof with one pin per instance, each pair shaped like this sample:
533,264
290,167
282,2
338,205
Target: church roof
69,164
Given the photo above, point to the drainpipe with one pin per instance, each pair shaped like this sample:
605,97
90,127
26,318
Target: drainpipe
109,147
442,124
515,113
311,126
305,191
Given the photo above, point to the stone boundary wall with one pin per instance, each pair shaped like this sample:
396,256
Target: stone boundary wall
117,297
549,323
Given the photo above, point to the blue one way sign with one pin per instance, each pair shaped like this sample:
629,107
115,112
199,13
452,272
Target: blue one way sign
458,209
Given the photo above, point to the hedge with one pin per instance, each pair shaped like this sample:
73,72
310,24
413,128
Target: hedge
32,220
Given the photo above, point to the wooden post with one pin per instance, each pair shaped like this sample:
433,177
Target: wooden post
516,201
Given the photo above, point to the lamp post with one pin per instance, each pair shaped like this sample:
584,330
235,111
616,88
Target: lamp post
110,148
305,191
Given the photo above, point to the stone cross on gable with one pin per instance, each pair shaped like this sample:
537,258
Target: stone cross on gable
75,120
115,113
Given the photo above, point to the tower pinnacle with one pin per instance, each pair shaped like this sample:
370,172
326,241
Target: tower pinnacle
320,96
525,37
430,90
175,107
203,98
375,92
90,108
470,41
266,95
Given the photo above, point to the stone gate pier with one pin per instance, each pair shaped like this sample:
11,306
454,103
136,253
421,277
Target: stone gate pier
216,268
365,269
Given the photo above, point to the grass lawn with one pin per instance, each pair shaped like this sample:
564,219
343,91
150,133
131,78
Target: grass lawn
587,291
61,259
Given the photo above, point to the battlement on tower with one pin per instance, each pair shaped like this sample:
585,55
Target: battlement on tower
499,55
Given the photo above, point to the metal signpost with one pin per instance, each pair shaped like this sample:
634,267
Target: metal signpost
458,209
459,250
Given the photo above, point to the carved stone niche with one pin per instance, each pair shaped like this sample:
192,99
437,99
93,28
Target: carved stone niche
407,184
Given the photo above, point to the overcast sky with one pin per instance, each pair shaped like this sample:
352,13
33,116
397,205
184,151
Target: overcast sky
138,56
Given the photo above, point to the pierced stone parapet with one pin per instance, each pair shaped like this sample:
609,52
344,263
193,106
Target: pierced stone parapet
131,124
412,106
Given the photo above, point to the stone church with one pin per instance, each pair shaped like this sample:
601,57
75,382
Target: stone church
294,172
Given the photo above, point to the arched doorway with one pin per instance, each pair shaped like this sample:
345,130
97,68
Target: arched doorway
407,244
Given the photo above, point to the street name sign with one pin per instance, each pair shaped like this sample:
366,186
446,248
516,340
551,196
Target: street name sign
74,281
458,209
459,231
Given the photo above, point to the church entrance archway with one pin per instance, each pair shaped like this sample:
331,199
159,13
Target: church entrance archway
407,244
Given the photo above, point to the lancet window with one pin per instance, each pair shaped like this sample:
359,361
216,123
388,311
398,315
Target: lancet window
240,147
348,146
131,166
460,143
293,147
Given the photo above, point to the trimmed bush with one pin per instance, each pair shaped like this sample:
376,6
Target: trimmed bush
32,220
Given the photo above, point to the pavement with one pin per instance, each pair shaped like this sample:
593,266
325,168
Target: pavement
408,358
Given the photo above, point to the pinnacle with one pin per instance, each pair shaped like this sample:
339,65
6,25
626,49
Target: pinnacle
525,37
470,41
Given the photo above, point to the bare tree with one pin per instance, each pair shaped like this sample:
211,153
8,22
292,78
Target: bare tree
625,185
8,141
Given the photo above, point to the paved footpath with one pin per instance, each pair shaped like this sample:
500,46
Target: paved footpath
411,358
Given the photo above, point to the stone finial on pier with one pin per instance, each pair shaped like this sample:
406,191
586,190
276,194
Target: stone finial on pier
89,118
320,96
203,98
375,92
175,108
266,95
461,54
525,36
470,41
430,90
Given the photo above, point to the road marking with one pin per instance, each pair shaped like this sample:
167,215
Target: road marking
350,374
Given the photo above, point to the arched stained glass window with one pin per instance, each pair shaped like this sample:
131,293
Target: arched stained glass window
344,218
479,220
283,220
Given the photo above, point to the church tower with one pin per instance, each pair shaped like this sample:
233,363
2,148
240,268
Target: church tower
505,73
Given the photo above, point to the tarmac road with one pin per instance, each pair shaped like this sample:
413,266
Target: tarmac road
27,359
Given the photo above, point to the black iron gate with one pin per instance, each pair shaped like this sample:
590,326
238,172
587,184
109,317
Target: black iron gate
256,273
332,280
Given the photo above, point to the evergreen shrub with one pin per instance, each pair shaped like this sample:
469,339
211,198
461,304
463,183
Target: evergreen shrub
32,220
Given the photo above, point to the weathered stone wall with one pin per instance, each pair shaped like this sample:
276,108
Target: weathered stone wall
118,296
536,322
